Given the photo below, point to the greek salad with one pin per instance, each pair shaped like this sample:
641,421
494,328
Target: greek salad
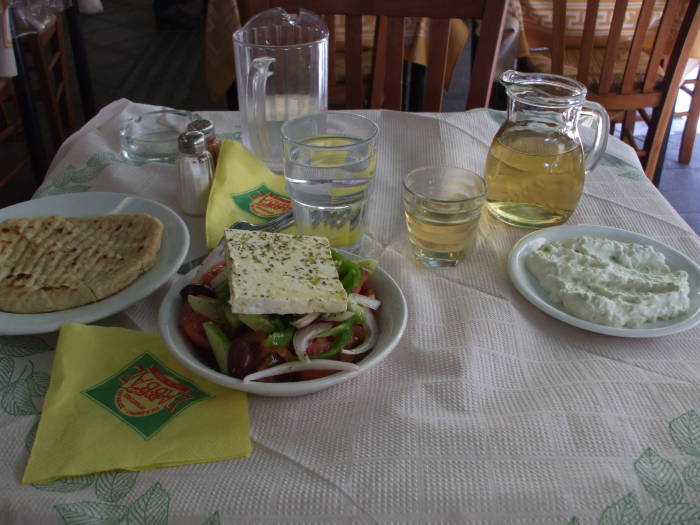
280,348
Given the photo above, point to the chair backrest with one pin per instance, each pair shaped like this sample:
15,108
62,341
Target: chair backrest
387,63
632,77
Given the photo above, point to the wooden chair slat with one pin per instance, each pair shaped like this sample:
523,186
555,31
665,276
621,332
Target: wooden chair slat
353,61
618,19
635,51
485,60
587,40
659,49
393,82
558,36
332,80
379,62
437,64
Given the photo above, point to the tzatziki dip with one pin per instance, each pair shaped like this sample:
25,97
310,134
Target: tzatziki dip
621,284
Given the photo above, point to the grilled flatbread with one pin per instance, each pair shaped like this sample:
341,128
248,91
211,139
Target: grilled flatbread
55,263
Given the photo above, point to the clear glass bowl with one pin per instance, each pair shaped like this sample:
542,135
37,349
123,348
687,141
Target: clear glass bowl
152,136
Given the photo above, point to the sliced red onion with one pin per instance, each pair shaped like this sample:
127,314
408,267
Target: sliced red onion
302,337
363,300
371,335
305,320
298,366
342,316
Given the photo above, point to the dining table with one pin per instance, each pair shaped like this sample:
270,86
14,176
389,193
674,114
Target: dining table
488,410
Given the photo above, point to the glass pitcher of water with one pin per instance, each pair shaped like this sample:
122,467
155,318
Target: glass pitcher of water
281,73
536,163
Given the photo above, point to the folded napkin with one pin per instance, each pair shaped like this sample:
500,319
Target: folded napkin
118,400
244,189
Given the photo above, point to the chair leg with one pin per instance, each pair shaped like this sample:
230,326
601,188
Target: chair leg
691,125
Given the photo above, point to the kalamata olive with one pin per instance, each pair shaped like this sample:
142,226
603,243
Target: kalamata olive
196,289
242,359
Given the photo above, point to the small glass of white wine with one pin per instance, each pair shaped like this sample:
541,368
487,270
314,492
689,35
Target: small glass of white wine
442,207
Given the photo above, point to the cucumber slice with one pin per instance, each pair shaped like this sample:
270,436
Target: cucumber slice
209,307
261,322
220,344
232,319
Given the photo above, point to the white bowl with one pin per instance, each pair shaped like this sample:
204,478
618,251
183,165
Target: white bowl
392,318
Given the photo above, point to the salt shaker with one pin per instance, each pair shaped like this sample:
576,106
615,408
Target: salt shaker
195,170
213,142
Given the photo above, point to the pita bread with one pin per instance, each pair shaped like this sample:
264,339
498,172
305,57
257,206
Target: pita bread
55,263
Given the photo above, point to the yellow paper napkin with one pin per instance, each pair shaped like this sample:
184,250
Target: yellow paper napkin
244,189
119,400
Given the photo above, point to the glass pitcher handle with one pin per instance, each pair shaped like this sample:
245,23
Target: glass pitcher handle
257,80
602,129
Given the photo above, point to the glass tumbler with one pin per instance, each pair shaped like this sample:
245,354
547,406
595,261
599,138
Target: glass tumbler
442,207
329,165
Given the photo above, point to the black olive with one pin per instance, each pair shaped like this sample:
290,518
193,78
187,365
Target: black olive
242,359
196,289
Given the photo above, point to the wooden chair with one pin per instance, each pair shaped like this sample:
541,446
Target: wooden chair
627,79
49,62
15,163
685,152
386,87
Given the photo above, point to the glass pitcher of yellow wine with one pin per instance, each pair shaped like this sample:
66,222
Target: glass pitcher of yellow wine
536,163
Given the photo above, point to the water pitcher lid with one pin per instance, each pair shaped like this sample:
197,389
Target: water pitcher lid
263,29
543,89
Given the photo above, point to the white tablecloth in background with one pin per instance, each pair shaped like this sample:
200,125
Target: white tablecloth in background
488,411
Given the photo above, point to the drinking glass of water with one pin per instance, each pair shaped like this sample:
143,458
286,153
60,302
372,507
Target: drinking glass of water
442,207
329,165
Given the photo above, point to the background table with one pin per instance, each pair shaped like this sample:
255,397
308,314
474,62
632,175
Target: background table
488,411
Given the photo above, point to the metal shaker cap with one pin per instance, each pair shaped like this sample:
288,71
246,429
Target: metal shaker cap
203,125
192,142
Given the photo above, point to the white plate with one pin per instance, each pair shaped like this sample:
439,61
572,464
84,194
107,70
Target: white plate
529,286
393,316
174,246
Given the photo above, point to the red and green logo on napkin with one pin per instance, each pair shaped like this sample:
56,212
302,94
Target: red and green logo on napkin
145,395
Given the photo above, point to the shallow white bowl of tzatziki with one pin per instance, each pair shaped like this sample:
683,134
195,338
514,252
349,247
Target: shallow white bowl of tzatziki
531,288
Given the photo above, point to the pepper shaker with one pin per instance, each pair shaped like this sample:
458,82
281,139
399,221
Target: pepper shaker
212,140
195,171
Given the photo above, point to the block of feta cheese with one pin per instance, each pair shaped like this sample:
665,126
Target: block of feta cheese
276,273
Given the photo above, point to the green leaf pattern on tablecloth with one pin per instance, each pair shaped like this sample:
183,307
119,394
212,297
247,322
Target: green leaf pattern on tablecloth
213,520
624,511
677,513
30,437
685,432
659,477
69,484
16,397
7,366
230,136
92,513
115,485
22,346
151,508
691,476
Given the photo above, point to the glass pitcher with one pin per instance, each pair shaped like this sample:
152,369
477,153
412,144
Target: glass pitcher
281,73
536,163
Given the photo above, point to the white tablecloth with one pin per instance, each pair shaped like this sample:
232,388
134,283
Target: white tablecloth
488,411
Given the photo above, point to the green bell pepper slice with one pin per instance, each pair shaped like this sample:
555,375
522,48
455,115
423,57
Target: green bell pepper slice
279,337
341,340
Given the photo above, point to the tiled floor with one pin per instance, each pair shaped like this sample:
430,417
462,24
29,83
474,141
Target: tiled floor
130,58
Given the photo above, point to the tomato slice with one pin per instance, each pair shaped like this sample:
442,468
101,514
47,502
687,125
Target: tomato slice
213,272
363,280
191,324
319,345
